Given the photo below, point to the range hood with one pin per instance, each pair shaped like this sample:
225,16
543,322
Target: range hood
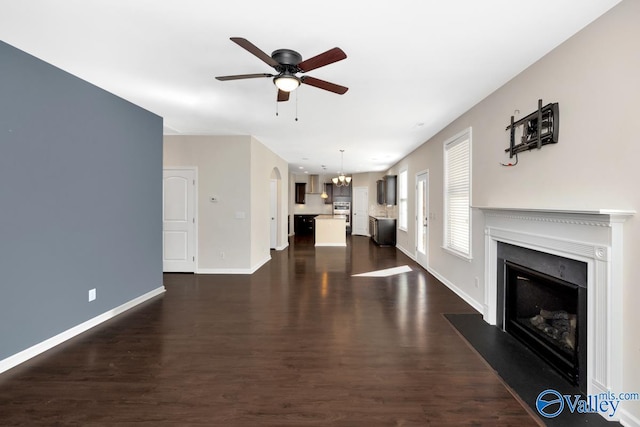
314,186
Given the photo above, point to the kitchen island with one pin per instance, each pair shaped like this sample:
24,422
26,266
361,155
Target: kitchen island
331,230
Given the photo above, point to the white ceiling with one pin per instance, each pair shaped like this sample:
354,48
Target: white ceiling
412,65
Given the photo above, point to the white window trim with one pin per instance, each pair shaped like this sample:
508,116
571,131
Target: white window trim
406,198
465,134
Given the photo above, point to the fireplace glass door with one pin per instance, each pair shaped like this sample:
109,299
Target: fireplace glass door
546,314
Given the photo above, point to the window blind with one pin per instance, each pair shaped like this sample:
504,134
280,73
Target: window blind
458,189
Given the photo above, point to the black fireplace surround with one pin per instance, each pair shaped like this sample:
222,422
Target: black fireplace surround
542,301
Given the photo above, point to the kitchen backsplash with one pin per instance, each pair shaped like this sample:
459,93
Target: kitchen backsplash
383,211
314,205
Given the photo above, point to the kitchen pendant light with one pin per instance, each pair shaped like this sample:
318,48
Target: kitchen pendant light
324,194
341,180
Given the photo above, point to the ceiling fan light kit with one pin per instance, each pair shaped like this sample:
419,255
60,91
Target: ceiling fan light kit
287,82
287,63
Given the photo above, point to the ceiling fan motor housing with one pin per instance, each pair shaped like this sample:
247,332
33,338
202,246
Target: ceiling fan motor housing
288,58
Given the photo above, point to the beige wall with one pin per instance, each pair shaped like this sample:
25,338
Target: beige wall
264,165
594,77
238,224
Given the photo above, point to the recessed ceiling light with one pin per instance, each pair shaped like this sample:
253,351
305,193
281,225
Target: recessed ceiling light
300,167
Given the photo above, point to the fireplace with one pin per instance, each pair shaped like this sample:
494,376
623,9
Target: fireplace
545,307
592,240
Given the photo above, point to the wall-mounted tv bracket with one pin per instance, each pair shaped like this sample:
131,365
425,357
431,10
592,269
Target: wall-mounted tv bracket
538,128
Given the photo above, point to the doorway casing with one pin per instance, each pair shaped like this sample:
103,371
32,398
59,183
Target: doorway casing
422,219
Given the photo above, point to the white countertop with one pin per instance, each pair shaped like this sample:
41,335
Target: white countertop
342,217
381,217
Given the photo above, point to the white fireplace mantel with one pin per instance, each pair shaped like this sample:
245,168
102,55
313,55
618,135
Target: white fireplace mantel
592,236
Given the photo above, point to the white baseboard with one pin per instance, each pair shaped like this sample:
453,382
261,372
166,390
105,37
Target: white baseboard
462,294
260,264
406,252
24,355
234,270
282,247
224,271
331,244
626,419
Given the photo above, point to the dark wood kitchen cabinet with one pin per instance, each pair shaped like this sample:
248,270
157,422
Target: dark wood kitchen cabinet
391,189
387,190
304,225
380,192
301,188
383,230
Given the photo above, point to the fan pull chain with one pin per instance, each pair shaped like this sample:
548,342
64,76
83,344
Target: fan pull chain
276,108
297,106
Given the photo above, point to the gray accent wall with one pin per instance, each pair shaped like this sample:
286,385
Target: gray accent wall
80,201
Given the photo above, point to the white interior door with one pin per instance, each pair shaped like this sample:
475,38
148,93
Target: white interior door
359,209
422,218
273,212
178,220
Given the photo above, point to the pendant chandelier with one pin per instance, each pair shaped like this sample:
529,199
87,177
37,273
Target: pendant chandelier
341,180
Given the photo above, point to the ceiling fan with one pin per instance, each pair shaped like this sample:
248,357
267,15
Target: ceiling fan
287,64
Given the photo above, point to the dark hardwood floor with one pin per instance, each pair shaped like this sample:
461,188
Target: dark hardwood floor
298,343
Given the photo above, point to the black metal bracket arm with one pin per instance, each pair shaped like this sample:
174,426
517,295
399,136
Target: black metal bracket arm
538,128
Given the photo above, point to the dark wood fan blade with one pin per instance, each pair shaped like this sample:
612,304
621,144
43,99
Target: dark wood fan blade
331,87
251,48
329,57
283,96
243,76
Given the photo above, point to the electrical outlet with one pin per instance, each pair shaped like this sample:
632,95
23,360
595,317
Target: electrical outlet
92,294
477,282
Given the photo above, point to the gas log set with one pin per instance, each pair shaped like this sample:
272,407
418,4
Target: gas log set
559,326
